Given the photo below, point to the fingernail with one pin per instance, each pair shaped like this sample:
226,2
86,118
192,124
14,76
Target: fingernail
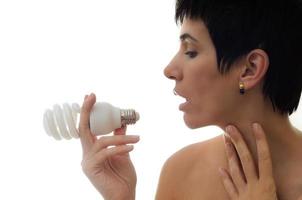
88,97
227,138
135,137
256,126
130,147
229,129
257,131
85,97
230,132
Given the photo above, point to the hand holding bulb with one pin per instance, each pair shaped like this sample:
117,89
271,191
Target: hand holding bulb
106,161
104,118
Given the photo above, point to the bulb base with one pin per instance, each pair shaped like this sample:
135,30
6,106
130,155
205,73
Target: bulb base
129,116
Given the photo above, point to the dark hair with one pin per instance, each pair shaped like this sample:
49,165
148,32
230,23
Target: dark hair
238,26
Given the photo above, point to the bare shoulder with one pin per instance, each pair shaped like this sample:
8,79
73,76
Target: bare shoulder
190,170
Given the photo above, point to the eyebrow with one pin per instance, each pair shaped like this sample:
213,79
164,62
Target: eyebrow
187,36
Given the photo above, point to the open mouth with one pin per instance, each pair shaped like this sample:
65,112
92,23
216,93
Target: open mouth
183,100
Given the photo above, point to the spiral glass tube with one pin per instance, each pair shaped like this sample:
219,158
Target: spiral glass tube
62,122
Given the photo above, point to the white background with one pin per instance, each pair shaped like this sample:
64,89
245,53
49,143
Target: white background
57,51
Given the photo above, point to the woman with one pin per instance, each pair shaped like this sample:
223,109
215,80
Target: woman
238,63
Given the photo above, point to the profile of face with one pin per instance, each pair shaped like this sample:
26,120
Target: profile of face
210,96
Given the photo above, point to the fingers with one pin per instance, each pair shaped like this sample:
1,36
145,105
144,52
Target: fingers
230,179
94,162
264,156
115,140
234,166
109,152
86,136
243,153
228,184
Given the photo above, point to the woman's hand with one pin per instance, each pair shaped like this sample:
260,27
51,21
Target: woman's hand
106,161
244,183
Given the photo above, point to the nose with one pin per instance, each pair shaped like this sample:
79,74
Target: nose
172,71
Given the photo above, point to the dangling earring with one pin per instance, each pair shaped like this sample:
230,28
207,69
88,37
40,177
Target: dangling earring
241,87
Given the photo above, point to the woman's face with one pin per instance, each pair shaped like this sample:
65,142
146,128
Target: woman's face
209,94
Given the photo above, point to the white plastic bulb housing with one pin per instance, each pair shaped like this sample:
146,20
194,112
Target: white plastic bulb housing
104,118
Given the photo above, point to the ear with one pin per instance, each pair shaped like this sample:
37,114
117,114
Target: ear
256,65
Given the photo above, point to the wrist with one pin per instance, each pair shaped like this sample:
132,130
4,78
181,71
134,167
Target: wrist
128,197
131,197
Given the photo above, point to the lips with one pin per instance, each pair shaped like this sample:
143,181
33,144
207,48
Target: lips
184,104
177,93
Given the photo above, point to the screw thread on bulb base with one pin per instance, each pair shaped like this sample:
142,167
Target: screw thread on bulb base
129,116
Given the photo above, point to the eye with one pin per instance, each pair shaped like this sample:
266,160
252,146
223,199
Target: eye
191,54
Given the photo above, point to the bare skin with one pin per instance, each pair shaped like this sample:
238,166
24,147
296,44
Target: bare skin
192,173
214,99
211,99
247,179
110,170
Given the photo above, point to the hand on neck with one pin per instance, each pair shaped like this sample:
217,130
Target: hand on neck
282,137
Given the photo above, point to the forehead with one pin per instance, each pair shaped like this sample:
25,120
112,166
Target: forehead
196,28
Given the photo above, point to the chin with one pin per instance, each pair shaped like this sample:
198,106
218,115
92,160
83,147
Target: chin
195,122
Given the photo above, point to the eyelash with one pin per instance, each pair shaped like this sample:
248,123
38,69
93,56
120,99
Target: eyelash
191,54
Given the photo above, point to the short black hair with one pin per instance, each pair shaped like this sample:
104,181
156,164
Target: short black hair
237,27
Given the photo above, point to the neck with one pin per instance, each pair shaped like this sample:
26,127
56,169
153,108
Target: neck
283,139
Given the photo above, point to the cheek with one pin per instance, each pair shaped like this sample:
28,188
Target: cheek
207,86
212,96
209,101
205,74
208,90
